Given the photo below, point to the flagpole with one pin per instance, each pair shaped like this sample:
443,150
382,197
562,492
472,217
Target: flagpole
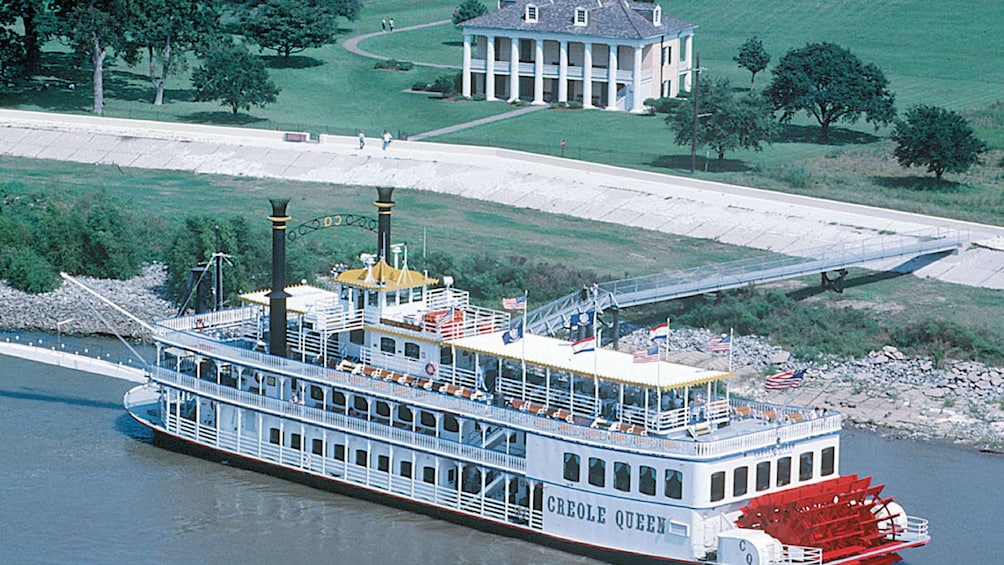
732,343
522,331
596,353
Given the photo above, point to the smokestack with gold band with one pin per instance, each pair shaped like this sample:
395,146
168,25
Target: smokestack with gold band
384,204
277,298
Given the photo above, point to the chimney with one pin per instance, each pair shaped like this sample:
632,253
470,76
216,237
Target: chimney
384,204
277,298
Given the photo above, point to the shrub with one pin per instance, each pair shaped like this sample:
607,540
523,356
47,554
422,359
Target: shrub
420,86
479,97
664,105
575,105
394,65
446,84
28,271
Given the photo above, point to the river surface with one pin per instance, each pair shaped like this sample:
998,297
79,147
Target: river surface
81,482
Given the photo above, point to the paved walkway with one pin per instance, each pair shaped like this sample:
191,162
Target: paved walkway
731,214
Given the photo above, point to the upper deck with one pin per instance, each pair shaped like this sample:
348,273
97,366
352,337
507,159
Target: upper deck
739,425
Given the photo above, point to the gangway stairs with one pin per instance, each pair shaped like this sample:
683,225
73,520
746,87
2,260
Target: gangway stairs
671,285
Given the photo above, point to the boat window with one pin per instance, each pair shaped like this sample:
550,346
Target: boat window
383,409
740,481
597,472
388,345
828,461
622,476
428,419
316,393
273,436
405,296
412,350
763,475
372,298
445,356
674,484
572,463
317,446
717,486
361,404
270,380
295,441
429,475
404,469
783,471
356,336
404,413
339,452
646,480
805,466
383,463
338,399
361,457
450,423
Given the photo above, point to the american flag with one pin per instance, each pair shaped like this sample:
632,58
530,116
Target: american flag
650,355
517,303
787,379
719,344
446,316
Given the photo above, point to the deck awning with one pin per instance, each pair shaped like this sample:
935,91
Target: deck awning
302,298
606,365
382,276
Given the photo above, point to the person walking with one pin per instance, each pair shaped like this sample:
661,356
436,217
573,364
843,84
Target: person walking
383,24
362,139
391,24
386,139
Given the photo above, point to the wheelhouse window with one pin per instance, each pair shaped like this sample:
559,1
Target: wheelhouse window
805,466
828,461
646,480
622,476
572,467
740,481
763,475
717,486
388,345
597,472
674,484
412,350
783,471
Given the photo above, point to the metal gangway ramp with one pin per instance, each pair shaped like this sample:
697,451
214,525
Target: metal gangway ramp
670,285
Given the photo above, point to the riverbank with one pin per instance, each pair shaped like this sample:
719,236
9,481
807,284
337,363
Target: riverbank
959,401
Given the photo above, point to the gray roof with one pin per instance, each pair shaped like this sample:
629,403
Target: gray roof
622,19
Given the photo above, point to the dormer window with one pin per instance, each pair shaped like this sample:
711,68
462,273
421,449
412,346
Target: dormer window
657,16
531,13
581,17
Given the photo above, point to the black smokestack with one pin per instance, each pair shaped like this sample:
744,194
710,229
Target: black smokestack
384,204
277,298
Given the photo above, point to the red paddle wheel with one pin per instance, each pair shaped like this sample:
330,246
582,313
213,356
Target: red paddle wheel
837,515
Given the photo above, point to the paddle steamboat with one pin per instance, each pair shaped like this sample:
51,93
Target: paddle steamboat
384,382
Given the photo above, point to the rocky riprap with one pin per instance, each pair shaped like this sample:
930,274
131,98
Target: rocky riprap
142,296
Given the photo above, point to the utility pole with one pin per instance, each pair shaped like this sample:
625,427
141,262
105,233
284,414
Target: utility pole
697,95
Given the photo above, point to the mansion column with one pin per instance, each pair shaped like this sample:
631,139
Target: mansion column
636,94
563,71
489,67
587,76
466,88
538,71
612,79
514,69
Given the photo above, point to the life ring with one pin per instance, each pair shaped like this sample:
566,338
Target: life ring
200,324
430,369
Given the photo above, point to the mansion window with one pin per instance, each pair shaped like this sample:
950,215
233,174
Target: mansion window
531,13
581,17
657,16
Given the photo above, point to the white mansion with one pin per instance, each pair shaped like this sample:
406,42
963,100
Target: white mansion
603,53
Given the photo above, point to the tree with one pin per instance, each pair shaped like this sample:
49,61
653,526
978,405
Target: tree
726,122
164,29
94,28
235,77
832,85
752,57
468,10
936,138
290,26
34,17
12,59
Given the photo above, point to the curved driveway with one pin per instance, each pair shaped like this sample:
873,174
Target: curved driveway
732,214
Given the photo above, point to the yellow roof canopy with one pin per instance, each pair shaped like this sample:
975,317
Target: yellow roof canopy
382,276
